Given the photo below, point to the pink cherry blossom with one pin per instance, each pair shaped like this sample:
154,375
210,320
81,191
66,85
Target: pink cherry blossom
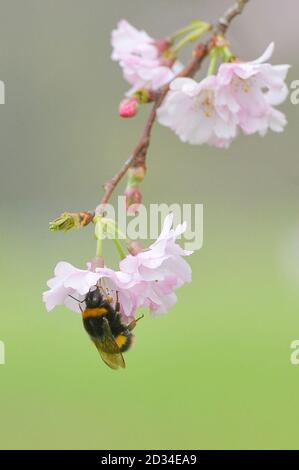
241,96
191,111
161,268
141,58
71,281
249,90
158,295
147,279
67,281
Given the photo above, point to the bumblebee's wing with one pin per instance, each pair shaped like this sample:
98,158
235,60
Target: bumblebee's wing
108,348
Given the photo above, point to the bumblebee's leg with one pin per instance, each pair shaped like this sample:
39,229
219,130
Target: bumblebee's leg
117,305
133,323
106,294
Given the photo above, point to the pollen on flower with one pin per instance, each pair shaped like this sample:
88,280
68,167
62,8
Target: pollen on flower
245,86
208,104
240,83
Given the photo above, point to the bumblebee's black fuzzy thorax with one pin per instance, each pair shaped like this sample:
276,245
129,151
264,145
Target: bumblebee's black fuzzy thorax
94,298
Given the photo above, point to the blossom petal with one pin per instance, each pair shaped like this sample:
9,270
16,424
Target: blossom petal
267,54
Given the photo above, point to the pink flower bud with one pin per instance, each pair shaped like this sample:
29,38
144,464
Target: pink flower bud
128,107
133,199
136,175
133,209
168,61
162,44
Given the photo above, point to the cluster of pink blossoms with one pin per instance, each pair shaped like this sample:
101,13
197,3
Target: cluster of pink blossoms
241,96
141,58
146,279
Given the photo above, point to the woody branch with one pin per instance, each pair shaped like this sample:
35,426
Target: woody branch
138,157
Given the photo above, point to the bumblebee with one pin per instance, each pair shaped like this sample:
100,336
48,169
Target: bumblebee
103,324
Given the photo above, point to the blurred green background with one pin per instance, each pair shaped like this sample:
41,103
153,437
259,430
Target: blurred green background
213,373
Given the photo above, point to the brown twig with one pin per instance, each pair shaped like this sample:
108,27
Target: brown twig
229,15
138,156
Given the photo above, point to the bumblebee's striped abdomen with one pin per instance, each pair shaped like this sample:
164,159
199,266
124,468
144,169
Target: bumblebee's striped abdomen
124,341
94,318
